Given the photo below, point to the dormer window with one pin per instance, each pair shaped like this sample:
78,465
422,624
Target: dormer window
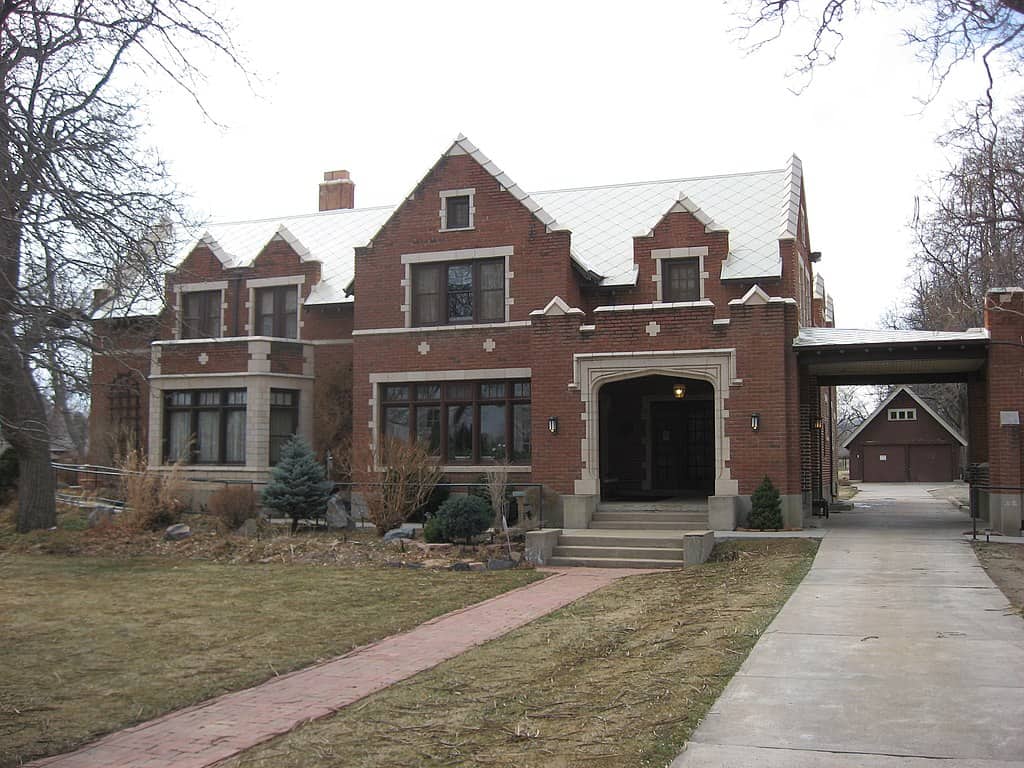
200,314
277,311
681,280
457,209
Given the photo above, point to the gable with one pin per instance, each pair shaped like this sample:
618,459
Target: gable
928,426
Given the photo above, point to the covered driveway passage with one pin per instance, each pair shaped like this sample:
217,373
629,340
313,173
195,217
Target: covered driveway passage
989,360
895,650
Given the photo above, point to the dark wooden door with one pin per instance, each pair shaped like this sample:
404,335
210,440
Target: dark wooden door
931,464
683,447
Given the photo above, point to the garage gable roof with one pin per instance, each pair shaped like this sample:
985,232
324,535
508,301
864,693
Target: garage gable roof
924,406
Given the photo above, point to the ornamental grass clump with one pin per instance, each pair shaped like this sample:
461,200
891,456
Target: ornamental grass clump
766,506
297,488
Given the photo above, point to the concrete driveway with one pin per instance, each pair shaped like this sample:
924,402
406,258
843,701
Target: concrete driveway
896,650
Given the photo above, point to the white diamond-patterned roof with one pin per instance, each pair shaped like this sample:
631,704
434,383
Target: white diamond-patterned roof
757,209
823,337
604,220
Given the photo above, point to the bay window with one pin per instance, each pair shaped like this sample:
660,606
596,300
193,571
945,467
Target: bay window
284,420
205,426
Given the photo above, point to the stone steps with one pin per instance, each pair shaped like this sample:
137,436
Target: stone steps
626,550
645,525
611,562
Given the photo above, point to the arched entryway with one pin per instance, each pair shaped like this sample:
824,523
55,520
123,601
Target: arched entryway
657,438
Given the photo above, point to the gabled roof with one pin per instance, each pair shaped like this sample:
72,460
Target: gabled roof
757,209
921,403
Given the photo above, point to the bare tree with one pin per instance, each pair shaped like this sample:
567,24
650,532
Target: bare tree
81,201
945,33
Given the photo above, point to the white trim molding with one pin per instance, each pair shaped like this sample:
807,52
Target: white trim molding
591,371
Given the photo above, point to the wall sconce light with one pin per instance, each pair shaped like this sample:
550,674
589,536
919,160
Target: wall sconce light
755,421
678,391
818,423
553,425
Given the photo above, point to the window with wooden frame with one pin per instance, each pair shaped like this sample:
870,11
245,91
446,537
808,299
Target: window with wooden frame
205,426
277,311
903,414
463,422
447,293
284,420
680,279
457,209
200,314
125,414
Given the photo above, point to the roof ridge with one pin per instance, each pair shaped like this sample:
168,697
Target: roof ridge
311,214
660,181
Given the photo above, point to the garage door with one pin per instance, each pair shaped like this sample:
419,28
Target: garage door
931,464
885,464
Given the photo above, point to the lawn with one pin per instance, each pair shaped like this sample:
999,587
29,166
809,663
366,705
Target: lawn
620,678
90,645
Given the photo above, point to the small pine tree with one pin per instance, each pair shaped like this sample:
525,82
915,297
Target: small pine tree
296,488
766,506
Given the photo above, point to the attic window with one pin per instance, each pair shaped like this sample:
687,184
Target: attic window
903,414
457,209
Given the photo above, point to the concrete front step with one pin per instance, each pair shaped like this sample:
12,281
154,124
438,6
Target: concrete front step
620,550
612,562
650,526
667,517
652,506
584,538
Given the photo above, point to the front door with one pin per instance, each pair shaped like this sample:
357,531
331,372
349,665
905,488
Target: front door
682,447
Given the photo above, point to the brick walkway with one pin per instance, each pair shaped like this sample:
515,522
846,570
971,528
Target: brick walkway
202,735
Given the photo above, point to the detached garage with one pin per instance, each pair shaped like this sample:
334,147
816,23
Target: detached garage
905,441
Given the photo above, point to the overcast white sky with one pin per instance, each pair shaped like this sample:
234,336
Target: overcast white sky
561,95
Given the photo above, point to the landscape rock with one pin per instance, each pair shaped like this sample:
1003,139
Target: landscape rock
250,529
460,567
99,516
500,565
339,515
177,532
399,533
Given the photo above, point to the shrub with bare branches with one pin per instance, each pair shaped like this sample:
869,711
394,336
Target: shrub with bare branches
232,505
153,500
497,490
402,476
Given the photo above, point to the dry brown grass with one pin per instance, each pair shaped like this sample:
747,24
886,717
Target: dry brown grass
620,678
92,645
1004,563
152,499
232,505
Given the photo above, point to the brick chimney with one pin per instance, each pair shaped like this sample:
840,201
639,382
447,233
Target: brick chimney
337,191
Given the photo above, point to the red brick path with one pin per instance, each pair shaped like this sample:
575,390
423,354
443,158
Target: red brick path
207,733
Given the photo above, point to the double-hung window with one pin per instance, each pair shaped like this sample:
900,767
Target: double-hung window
200,314
448,293
277,311
681,280
463,422
205,426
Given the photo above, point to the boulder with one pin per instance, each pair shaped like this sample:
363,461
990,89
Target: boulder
100,516
339,514
250,529
500,565
399,533
177,532
460,567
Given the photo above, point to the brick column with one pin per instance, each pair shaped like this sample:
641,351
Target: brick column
1004,319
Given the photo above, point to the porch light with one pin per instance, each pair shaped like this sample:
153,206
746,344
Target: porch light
678,391
818,423
755,421
553,425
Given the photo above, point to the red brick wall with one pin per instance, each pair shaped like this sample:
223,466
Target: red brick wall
540,262
1005,377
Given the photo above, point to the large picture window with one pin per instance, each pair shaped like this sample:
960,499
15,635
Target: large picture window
277,311
284,420
200,314
681,280
463,422
205,426
458,292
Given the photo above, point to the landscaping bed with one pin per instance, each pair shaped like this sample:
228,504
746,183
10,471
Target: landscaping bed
89,645
1004,563
622,677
